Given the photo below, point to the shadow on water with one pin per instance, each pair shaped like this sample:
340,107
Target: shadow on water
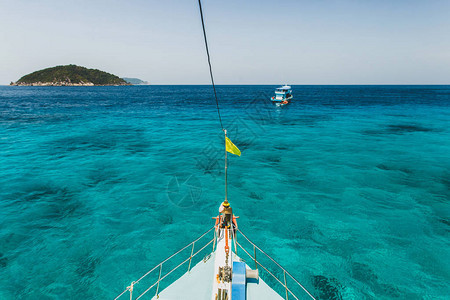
330,288
445,222
128,138
271,158
3,261
326,288
83,142
32,118
363,273
311,120
86,265
406,128
282,147
445,180
44,201
399,129
387,167
308,120
296,229
85,269
103,174
255,196
165,219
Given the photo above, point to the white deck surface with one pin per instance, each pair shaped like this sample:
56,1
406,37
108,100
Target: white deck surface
197,285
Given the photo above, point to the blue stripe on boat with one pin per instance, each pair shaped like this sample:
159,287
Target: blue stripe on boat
238,281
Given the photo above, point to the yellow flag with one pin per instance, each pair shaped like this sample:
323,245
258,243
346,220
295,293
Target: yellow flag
231,147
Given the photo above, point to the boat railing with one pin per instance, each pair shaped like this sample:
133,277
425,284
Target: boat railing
159,268
283,282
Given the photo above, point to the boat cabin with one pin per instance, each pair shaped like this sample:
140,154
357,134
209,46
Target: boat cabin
283,93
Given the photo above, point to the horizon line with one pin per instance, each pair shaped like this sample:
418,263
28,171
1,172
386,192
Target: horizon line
264,84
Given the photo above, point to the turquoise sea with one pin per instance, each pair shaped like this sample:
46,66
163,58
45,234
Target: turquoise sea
348,187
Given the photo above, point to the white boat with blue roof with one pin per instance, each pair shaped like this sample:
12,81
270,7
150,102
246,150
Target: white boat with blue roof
283,95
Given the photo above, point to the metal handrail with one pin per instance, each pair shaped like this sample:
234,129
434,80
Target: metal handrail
179,265
192,254
258,263
130,288
285,272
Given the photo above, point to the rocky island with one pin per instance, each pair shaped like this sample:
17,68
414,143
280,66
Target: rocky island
69,75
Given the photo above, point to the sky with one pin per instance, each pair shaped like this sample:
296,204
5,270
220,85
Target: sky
251,41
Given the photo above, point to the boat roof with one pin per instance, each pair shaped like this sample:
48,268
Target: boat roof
285,87
197,285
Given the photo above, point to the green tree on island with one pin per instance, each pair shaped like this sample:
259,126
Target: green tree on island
70,74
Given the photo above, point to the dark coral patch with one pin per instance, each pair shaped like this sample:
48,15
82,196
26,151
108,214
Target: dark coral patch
256,196
398,129
3,261
363,273
87,265
327,288
406,128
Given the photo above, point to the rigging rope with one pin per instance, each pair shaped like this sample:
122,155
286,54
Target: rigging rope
209,63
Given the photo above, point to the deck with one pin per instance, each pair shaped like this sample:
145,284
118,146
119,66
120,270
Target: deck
197,285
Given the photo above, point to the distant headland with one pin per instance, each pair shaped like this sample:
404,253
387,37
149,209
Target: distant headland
135,81
69,75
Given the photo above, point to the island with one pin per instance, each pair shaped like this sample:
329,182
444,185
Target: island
69,75
135,81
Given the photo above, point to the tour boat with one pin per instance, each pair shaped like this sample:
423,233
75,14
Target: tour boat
283,95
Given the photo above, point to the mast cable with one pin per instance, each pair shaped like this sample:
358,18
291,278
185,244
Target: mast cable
209,63
215,96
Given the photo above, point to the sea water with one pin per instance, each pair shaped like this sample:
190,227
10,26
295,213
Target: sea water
348,187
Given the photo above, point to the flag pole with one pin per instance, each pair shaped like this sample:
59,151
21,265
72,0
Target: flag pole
226,167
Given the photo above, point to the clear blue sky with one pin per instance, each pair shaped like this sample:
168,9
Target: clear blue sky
251,41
